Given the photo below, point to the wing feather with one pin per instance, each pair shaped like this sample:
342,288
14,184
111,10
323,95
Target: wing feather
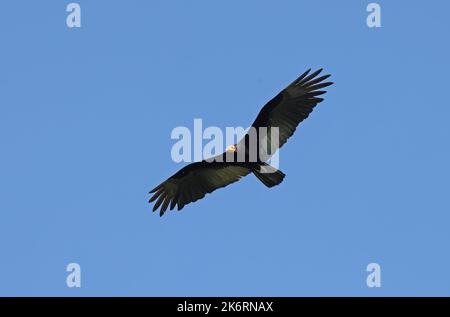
291,106
193,182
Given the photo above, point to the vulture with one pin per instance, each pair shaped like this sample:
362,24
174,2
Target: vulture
284,112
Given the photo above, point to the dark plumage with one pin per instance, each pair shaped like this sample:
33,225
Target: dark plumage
285,111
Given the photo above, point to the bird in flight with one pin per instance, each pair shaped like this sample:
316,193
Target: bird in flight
284,112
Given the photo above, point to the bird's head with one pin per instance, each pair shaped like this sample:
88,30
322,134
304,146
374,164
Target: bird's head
232,148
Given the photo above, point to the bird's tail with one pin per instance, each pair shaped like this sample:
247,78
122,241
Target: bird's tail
267,174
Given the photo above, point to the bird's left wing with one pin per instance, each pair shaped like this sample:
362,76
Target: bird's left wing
193,182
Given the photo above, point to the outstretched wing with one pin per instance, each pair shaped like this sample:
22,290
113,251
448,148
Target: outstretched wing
193,182
291,106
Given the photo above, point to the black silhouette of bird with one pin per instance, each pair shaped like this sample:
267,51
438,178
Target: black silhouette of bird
285,111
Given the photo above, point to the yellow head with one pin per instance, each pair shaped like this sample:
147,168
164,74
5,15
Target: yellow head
232,148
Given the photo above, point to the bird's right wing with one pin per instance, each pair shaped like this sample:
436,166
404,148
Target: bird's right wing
291,106
193,182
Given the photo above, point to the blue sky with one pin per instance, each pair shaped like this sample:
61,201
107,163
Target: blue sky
85,122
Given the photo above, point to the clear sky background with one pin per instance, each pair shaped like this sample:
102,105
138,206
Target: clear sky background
85,122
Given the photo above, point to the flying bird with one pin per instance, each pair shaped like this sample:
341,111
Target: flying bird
284,112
